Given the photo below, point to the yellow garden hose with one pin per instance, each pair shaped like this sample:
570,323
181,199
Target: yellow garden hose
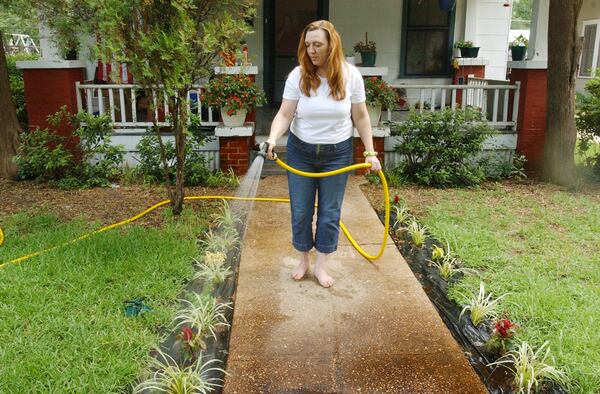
190,198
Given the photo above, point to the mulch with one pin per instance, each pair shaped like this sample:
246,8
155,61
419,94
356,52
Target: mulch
103,205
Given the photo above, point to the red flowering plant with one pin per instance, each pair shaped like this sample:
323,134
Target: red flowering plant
233,92
189,343
378,92
502,335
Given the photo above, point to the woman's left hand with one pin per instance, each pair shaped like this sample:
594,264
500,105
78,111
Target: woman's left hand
375,164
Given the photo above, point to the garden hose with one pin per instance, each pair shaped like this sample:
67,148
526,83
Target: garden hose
269,199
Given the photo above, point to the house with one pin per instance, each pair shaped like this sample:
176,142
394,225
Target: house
414,53
589,26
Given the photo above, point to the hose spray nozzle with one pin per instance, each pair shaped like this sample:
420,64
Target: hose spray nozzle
263,149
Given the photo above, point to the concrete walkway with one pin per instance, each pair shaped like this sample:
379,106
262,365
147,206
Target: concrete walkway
374,331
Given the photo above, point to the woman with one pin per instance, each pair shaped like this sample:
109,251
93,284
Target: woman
322,100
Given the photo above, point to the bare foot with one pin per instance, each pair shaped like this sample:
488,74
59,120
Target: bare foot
302,267
324,279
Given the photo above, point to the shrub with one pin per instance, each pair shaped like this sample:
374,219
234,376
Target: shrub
588,122
17,88
439,147
41,154
151,168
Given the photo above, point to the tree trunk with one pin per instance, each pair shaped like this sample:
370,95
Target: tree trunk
561,134
9,124
179,124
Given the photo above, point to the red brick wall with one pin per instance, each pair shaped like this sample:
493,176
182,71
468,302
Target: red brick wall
46,90
464,72
359,148
234,153
531,122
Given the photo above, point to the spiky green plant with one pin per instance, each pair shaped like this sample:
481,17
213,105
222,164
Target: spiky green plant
437,253
213,268
450,266
482,306
530,368
401,216
220,241
204,314
226,219
172,379
418,233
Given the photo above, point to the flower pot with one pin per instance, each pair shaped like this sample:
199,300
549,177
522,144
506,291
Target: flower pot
447,5
351,60
456,52
235,120
469,52
368,59
374,114
518,53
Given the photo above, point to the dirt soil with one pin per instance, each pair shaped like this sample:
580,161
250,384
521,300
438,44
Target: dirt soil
104,205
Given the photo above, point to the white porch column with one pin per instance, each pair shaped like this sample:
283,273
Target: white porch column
47,45
471,17
538,36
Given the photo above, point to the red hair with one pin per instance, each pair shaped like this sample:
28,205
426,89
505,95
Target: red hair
335,60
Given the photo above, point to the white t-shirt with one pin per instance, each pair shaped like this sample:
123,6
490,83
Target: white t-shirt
320,119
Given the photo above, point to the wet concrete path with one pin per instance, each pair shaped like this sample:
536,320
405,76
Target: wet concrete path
374,331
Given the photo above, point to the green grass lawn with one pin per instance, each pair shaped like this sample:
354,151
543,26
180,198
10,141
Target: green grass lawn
62,326
541,245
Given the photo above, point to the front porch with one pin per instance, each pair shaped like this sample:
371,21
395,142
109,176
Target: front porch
131,116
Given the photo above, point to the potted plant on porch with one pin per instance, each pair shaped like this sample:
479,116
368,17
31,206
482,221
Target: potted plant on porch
379,95
235,95
518,48
367,50
467,49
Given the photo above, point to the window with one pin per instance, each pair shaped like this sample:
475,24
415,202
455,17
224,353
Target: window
426,39
590,53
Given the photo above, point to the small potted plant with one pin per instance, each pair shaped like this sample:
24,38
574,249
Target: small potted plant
379,95
467,49
518,48
367,50
235,95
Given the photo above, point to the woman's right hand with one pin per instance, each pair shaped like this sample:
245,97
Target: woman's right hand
270,146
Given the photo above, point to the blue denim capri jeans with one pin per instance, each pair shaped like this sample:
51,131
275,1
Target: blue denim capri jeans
329,191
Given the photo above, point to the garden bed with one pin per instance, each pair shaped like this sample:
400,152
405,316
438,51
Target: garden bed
62,314
537,242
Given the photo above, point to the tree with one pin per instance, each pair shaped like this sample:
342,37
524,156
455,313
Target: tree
169,45
561,133
9,124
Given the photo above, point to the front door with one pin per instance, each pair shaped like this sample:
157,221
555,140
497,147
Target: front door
284,21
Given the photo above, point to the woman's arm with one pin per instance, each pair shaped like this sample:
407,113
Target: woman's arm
281,122
361,120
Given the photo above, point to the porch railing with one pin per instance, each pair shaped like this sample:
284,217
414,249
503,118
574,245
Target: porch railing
498,100
130,108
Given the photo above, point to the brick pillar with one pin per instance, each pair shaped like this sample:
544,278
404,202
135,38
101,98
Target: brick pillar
235,144
49,86
461,75
531,122
359,148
